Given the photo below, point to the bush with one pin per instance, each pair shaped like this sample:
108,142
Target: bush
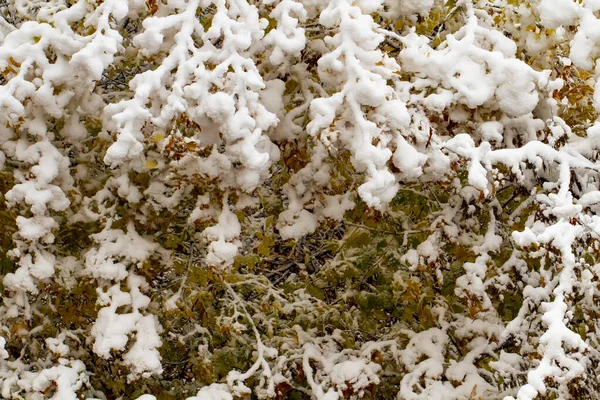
299,199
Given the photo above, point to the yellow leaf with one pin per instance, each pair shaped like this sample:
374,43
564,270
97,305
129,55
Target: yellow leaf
264,250
473,392
157,137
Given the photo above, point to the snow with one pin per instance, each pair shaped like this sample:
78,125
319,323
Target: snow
215,391
223,244
336,206
301,224
408,160
145,397
111,330
492,131
144,358
3,352
288,38
357,374
117,249
409,7
555,13
68,377
42,267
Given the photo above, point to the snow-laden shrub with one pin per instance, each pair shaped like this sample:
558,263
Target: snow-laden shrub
328,199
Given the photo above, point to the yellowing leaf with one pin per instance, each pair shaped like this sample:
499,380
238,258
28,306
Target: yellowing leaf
157,137
150,164
264,250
